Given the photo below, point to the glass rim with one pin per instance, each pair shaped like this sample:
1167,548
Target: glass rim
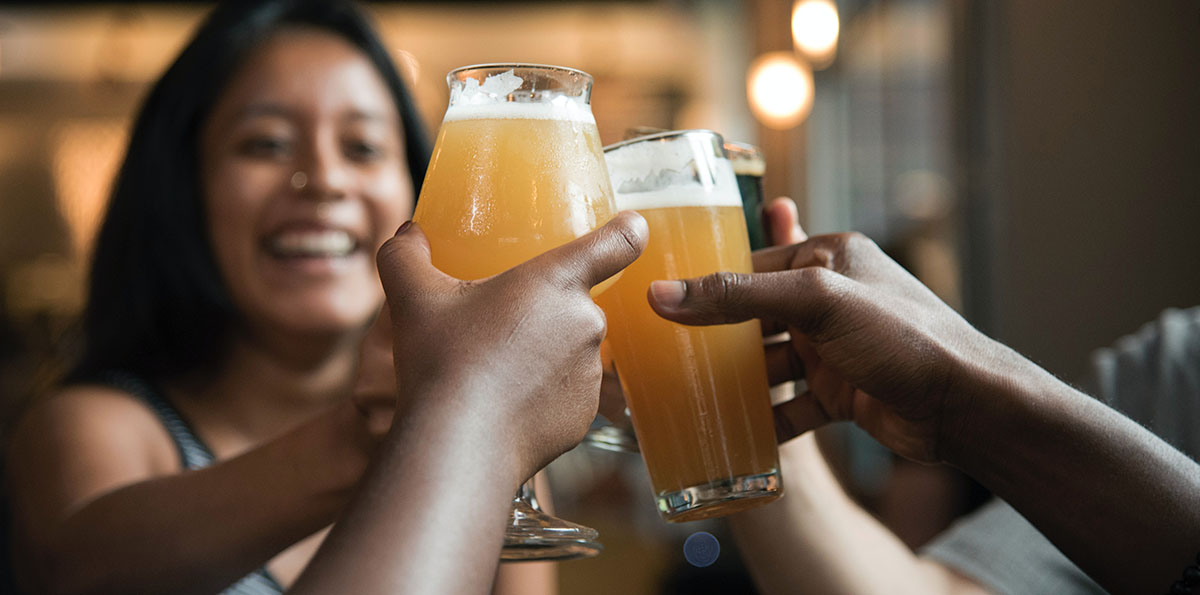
668,134
744,148
515,65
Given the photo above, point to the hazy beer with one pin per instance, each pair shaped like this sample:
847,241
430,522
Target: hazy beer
698,395
517,169
510,180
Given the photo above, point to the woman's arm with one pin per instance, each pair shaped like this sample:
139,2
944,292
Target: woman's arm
830,544
98,504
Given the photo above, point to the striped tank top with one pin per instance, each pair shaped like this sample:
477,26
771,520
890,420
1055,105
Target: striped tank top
194,455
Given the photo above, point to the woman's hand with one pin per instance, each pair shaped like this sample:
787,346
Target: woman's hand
375,393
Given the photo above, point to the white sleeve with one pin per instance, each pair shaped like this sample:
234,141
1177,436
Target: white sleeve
1000,550
1153,376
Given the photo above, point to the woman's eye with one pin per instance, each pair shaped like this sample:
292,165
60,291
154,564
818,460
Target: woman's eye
266,146
363,151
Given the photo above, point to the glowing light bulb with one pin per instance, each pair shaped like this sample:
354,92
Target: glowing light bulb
780,89
815,29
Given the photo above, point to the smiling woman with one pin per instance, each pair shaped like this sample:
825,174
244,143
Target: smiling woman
234,278
302,255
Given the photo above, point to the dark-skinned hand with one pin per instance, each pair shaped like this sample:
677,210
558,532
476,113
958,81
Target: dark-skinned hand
875,346
515,355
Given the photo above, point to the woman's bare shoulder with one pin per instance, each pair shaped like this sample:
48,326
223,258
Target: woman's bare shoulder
84,411
86,438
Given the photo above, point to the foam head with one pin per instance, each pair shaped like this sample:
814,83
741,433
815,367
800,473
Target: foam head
527,92
674,169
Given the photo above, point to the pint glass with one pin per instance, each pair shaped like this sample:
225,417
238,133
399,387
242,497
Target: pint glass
698,396
517,169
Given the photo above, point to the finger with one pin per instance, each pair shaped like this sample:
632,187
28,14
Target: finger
783,363
821,251
406,268
588,260
803,298
775,258
798,416
783,220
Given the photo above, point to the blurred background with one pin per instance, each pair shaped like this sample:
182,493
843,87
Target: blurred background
1036,163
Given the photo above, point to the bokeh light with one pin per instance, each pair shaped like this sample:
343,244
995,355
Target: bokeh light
815,28
780,89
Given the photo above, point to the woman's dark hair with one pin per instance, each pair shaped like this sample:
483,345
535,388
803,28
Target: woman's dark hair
157,305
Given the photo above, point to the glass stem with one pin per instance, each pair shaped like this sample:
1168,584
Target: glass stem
527,495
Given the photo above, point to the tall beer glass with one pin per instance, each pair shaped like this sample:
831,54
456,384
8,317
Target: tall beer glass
614,431
698,395
517,169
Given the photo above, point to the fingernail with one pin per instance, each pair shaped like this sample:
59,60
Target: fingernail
403,227
668,293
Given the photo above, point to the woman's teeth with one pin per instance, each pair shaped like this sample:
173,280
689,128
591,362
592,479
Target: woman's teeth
312,244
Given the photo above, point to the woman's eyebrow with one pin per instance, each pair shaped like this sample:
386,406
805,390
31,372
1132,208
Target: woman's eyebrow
256,110
356,115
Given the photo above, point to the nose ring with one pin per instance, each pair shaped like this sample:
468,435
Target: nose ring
299,180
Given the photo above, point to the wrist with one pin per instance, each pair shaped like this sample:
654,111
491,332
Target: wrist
999,395
464,433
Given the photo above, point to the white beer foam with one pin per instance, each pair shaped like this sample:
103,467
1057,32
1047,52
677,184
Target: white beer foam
661,175
473,101
565,110
722,195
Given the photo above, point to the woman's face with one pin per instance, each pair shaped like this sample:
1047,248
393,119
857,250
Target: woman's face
304,175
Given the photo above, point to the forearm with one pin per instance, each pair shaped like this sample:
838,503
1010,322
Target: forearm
429,516
199,531
817,540
1117,500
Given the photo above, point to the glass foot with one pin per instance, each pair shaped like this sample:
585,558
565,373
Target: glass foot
720,497
535,535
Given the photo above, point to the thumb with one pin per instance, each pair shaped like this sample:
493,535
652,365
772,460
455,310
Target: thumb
590,259
784,222
803,297
406,269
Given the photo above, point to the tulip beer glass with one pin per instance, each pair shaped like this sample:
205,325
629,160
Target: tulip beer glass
517,169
